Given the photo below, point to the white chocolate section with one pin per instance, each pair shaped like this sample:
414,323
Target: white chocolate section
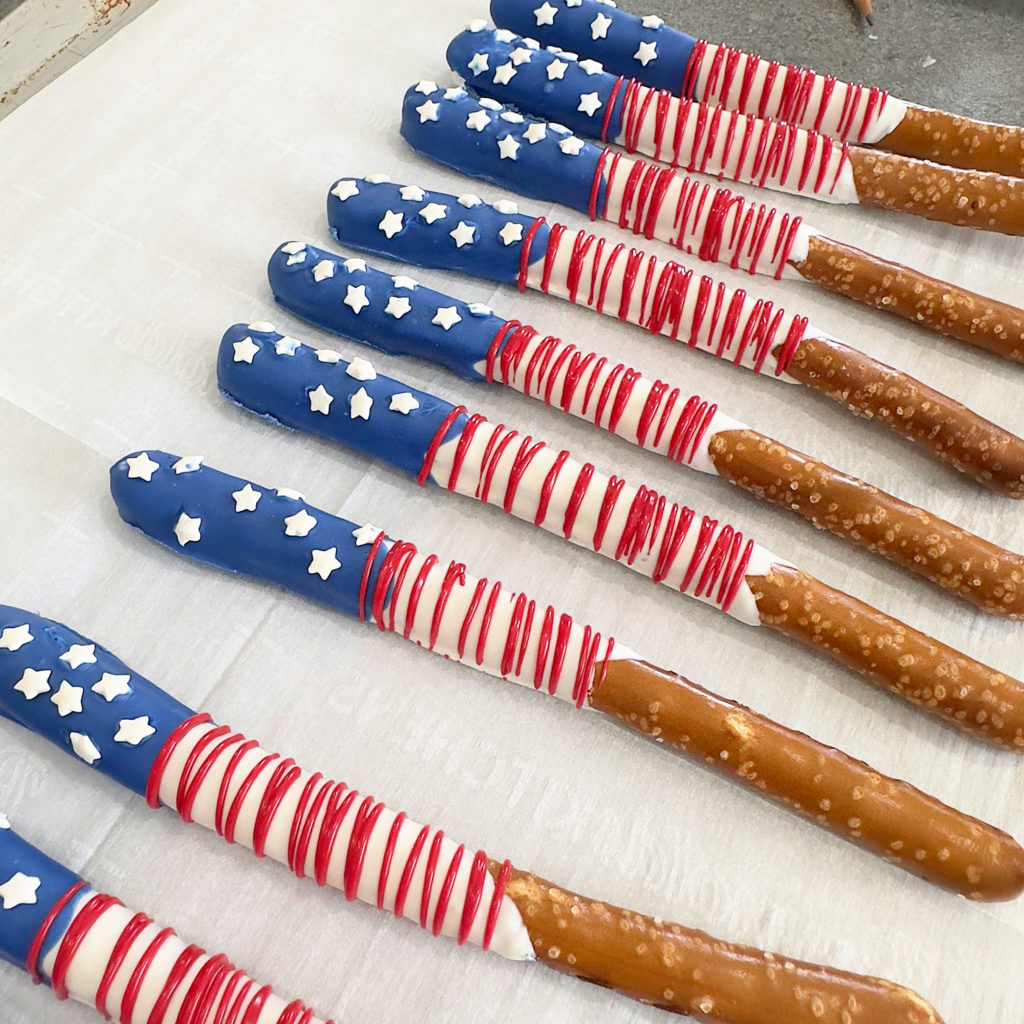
886,116
510,937
527,499
89,963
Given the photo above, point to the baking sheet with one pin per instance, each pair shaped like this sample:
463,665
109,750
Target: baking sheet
144,192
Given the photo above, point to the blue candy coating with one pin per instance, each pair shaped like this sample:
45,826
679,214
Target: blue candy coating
465,134
407,330
33,692
571,29
356,221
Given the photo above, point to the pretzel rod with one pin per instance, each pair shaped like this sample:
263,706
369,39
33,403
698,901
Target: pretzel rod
324,829
661,57
89,947
500,244
636,526
399,316
701,219
716,141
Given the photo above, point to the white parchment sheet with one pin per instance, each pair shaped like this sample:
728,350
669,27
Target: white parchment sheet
142,195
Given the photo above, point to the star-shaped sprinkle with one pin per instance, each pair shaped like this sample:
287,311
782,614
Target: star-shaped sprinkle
244,352
469,200
246,499
454,92
33,682
361,369
297,257
378,179
511,232
345,189
111,686
592,67
79,654
479,309
299,524
68,699
411,192
293,248
509,207
398,306
505,73
573,3
355,297
556,69
354,264
15,637
545,14
646,52
391,223
188,464
428,111
403,402
590,103
476,25
285,346
426,87
19,889
521,55
560,129
447,317
599,26
4,822
478,120
536,131
433,211
320,400
512,117
463,234
287,492
504,35
186,529
478,63
652,21
366,534
359,405
328,355
261,327
508,147
133,730
84,747
323,270
401,281
142,467
571,146
323,563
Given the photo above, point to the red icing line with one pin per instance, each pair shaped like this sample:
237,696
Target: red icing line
496,900
160,763
435,444
117,956
36,946
132,989
74,936
524,255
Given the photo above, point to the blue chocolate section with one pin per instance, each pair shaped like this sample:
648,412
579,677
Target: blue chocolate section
398,317
20,924
357,219
538,81
572,28
253,543
53,671
283,374
467,134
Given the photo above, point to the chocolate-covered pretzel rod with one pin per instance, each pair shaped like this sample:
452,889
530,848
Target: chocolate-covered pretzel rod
702,219
405,222
436,442
400,317
713,140
332,833
661,57
88,946
452,613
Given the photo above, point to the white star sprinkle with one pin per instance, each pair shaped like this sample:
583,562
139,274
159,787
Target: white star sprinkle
411,192
299,524
79,654
133,730
293,248
248,497
592,67
188,464
508,148
33,682
328,355
111,686
391,223
504,35
505,206
573,3
478,120
68,699
463,234
511,232
454,92
285,346
359,405
556,69
354,264
400,281
479,309
262,327
345,189
398,306
476,25
320,400
84,747
571,146
478,64
186,529
366,534
521,55
536,131
244,352
646,52
19,889
299,257
504,74
323,270
469,200
428,111
545,14
355,298
590,103
512,117
447,317
142,467
426,87
361,369
559,128
433,211
4,822
323,563
652,21
15,637
287,492
403,402
599,27
378,179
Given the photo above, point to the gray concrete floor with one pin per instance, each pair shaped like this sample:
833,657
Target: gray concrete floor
6,6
